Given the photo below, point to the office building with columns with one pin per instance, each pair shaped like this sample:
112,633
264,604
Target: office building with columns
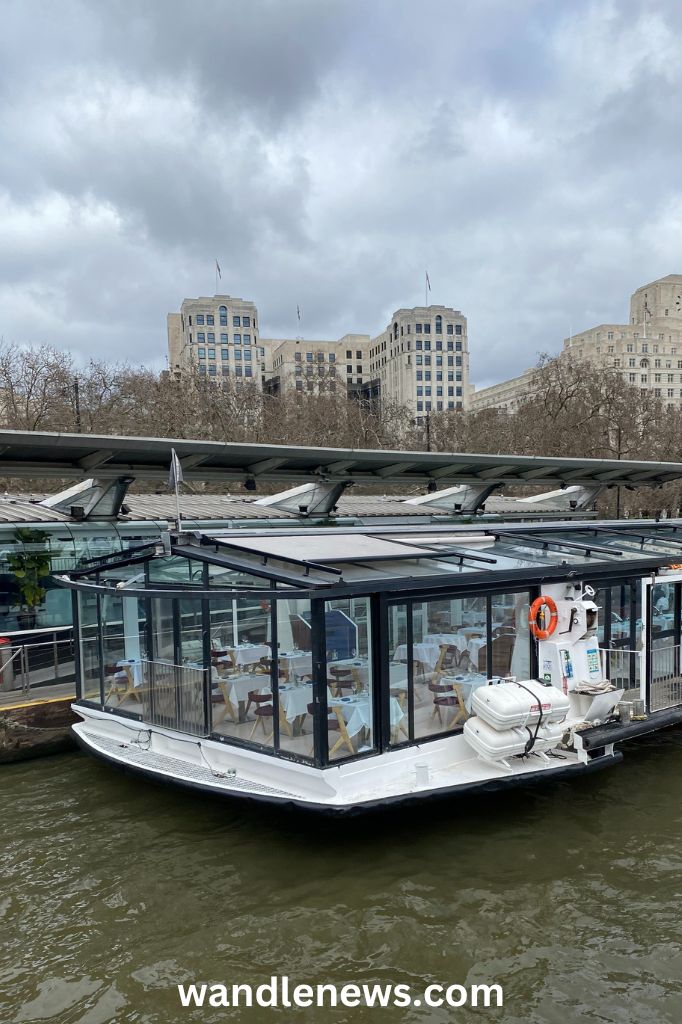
218,336
647,351
421,360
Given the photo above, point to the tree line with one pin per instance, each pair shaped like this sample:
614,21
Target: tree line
572,409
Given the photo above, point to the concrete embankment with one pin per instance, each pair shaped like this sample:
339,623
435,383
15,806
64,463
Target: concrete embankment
35,728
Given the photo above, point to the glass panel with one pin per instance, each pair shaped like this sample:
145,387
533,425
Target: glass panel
350,697
510,636
665,645
123,635
400,674
626,638
191,633
448,661
295,661
241,688
163,644
89,648
663,611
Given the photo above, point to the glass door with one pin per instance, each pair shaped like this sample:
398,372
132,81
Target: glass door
661,600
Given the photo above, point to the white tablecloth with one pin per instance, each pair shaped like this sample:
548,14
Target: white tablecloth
357,712
135,669
241,686
295,700
296,663
440,638
246,654
425,653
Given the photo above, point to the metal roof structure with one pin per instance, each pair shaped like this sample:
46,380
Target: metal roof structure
372,559
206,508
33,454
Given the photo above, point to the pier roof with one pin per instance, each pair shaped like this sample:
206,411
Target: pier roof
33,454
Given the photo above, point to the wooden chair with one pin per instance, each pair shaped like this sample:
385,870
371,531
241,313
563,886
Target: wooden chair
343,678
265,709
229,708
503,649
335,723
123,686
452,700
448,660
227,665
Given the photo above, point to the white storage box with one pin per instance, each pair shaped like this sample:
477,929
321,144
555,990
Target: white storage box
510,704
496,745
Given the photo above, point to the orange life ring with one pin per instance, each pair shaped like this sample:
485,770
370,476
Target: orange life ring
538,608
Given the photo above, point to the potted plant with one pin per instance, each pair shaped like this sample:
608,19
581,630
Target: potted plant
30,566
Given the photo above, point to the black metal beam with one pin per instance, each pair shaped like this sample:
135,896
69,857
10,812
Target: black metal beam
119,563
266,555
546,543
413,557
643,537
196,554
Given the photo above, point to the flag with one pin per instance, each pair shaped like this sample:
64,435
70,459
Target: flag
175,476
298,313
217,267
428,283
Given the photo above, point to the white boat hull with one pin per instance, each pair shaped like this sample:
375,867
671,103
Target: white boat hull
437,768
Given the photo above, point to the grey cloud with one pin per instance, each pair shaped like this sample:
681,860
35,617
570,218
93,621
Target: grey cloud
328,153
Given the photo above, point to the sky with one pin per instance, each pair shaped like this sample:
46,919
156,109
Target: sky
328,153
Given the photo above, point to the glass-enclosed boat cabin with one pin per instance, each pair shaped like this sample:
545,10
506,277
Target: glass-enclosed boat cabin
323,647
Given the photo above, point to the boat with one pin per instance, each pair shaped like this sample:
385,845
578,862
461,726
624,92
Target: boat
340,669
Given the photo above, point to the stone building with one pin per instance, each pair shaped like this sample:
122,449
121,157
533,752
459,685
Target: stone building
648,349
507,395
299,364
421,360
219,336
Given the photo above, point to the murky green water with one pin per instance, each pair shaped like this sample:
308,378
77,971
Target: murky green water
112,891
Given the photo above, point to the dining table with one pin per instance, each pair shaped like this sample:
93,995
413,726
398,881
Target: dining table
357,714
241,655
426,653
469,683
296,663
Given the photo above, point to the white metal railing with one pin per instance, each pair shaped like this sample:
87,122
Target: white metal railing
175,696
621,666
666,681
624,668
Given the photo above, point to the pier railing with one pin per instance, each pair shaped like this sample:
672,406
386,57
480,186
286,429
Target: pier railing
29,666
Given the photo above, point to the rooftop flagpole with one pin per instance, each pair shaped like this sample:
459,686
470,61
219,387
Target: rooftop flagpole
218,274
427,287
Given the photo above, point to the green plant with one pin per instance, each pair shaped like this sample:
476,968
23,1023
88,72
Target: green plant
30,565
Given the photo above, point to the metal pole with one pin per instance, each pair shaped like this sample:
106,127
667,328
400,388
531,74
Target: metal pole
618,487
77,404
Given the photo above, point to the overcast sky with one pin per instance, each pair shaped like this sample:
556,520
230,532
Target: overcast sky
327,152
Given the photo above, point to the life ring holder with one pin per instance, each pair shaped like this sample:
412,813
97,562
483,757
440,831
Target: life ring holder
538,607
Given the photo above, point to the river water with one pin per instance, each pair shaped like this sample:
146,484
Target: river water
113,890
